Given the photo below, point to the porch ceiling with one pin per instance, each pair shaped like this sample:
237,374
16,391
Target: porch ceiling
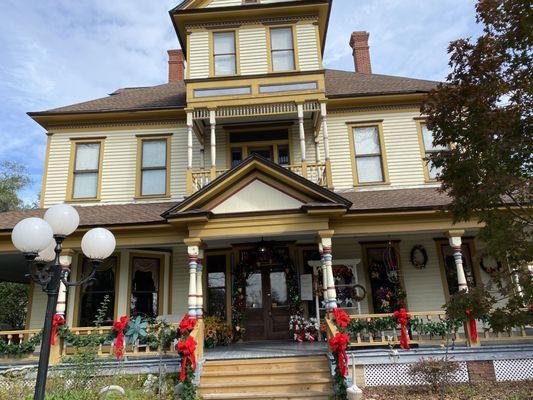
13,268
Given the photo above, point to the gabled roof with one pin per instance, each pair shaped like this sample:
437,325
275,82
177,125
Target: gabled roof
339,84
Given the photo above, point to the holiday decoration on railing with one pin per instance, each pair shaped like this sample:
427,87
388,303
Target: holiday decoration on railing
341,318
186,349
302,329
58,320
402,317
119,327
472,326
137,329
187,324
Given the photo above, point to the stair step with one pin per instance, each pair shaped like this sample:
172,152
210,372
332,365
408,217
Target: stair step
297,364
270,372
300,385
267,360
322,395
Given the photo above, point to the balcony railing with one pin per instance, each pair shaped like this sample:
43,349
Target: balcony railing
315,172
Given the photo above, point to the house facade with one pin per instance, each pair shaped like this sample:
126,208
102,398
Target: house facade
255,182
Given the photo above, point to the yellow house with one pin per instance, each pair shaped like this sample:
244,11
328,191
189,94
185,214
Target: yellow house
255,157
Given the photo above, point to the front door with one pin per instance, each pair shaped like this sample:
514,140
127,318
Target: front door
267,304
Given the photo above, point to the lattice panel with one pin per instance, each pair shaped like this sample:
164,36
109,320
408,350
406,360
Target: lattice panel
514,370
397,374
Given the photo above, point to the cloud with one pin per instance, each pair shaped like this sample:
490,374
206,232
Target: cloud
59,52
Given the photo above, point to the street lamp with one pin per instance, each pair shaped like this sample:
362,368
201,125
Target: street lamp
40,240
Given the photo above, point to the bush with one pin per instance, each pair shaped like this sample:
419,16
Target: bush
433,371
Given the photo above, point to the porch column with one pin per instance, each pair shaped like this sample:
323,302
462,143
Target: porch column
213,124
324,273
189,152
325,240
455,244
199,285
301,128
66,261
193,249
323,115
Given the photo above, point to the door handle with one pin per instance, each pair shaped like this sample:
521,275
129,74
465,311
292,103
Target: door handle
268,294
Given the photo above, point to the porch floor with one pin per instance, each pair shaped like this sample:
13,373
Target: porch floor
265,349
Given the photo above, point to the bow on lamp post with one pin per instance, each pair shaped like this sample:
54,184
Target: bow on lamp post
40,240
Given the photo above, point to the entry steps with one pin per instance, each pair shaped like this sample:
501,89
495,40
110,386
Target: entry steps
279,378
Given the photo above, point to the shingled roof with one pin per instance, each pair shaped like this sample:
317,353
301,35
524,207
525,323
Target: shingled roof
172,95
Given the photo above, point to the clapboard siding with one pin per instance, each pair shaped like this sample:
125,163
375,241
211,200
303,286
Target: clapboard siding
198,55
307,47
401,147
253,51
180,281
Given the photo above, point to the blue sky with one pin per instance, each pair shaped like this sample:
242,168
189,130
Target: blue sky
59,52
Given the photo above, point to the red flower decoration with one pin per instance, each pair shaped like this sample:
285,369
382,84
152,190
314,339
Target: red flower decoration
186,350
119,327
341,317
338,345
58,320
187,324
402,318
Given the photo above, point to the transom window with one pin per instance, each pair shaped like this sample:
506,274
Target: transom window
429,149
86,170
154,167
224,55
282,49
368,154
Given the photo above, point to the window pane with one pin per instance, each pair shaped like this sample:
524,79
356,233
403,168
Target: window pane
154,153
282,60
369,169
217,303
216,279
283,154
87,156
366,140
427,135
145,287
225,64
154,182
254,291
224,42
432,170
85,185
236,156
281,38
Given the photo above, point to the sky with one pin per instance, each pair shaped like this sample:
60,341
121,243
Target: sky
59,52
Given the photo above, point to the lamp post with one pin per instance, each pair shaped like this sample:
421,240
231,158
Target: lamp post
40,240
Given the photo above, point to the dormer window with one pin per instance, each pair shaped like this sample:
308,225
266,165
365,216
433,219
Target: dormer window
224,55
282,49
431,172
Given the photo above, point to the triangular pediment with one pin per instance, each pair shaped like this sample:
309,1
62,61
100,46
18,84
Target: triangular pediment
258,185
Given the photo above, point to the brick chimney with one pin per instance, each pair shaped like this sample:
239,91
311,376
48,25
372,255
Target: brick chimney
176,66
361,52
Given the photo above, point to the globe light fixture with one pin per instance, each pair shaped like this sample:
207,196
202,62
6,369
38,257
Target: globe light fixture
48,254
31,235
63,218
98,244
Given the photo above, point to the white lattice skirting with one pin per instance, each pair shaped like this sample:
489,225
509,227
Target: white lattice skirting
513,370
397,374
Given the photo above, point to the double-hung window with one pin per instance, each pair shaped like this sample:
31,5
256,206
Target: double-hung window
282,49
429,149
86,170
154,167
368,155
224,55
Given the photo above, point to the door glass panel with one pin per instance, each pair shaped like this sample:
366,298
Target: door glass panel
254,291
278,289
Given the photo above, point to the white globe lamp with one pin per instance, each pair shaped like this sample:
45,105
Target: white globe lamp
63,218
98,244
48,254
32,235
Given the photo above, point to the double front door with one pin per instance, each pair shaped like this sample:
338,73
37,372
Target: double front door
267,304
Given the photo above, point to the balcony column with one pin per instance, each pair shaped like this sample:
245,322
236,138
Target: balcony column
189,152
455,243
325,240
324,117
300,108
213,124
193,249
199,285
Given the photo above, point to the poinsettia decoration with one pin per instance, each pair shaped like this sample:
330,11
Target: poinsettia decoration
341,318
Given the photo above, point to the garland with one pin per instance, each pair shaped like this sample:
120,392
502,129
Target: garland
58,320
119,327
338,345
185,348
402,318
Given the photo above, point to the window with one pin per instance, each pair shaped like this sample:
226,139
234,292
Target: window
154,167
427,141
235,91
288,87
94,292
236,156
283,154
216,286
368,156
86,170
145,283
282,49
224,56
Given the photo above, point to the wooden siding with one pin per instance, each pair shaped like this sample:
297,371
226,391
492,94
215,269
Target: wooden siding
180,281
199,55
400,140
307,47
253,50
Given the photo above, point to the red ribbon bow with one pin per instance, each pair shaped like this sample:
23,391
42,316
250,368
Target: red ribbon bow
58,320
402,318
341,317
119,327
472,326
338,346
186,349
187,324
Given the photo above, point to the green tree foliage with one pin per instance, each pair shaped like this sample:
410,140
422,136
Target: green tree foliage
485,111
13,177
14,304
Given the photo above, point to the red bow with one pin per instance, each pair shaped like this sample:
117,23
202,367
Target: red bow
186,349
58,320
119,327
338,346
341,317
187,324
402,318
472,326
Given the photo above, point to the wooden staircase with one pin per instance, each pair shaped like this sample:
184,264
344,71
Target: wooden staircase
284,378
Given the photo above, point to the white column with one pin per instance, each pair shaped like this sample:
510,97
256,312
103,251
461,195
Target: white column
455,243
317,151
325,240
213,123
199,285
300,108
324,274
323,114
192,251
61,307
189,139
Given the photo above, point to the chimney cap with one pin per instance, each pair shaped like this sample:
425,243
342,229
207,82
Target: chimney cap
359,39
